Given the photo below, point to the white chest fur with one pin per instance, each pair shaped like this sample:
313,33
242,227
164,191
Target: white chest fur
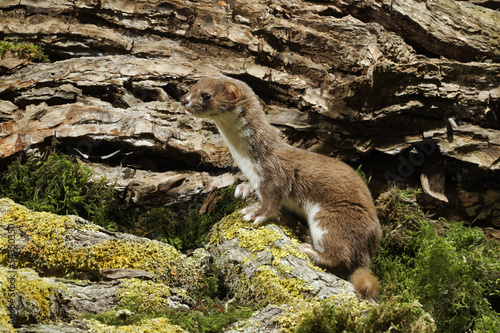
236,135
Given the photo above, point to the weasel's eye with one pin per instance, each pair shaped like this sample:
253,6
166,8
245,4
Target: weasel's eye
206,96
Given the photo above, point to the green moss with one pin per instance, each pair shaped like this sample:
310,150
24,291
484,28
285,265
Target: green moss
29,51
194,229
63,185
59,185
209,317
348,314
452,270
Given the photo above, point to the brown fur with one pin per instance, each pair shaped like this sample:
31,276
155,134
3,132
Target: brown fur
337,203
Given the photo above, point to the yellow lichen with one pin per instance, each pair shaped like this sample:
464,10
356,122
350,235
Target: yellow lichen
355,305
271,282
259,239
156,325
35,293
5,324
294,315
280,290
48,247
228,228
150,294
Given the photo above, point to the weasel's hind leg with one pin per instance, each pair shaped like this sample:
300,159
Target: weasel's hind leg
363,281
336,262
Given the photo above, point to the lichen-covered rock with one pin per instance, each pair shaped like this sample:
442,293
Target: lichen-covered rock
69,246
34,303
28,298
52,328
264,321
286,318
264,265
156,325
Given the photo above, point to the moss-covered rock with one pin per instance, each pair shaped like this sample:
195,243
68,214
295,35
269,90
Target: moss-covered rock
242,270
156,325
264,265
26,298
68,246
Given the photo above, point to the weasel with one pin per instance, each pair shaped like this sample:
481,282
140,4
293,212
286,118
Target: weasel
337,204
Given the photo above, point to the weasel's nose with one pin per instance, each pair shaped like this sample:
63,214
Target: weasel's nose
184,101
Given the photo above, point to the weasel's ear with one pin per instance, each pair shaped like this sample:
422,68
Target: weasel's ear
233,90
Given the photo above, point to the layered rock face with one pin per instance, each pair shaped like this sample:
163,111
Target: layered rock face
409,89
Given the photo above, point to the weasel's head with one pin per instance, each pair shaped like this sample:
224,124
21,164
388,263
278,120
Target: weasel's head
212,96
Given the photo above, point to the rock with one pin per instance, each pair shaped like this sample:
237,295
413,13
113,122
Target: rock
7,110
445,27
264,321
264,265
116,274
10,63
271,270
492,233
432,179
149,188
469,143
51,328
69,246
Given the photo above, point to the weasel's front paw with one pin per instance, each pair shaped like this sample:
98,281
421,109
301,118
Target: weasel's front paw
250,214
243,190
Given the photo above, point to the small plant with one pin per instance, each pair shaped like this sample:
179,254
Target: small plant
58,185
452,270
363,175
29,51
197,226
64,185
183,230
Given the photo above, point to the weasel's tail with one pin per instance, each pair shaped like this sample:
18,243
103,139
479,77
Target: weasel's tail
364,282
